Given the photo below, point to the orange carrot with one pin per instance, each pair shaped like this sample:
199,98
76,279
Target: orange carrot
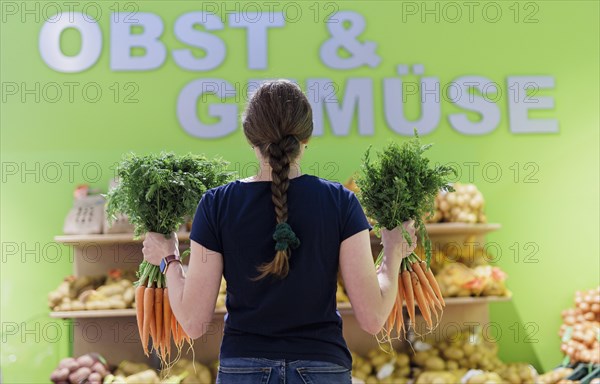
425,285
432,306
166,321
391,320
148,315
139,308
399,308
158,318
178,335
153,324
432,282
174,331
421,300
184,336
409,295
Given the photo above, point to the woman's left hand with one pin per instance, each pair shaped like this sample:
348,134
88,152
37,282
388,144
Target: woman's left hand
157,246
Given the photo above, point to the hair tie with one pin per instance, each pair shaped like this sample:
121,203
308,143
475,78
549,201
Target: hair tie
285,237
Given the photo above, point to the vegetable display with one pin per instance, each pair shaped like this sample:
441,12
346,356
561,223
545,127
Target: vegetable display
554,376
461,357
90,368
464,205
399,186
458,280
158,192
580,331
114,291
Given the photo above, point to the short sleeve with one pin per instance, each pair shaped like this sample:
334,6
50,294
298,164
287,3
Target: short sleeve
355,219
204,229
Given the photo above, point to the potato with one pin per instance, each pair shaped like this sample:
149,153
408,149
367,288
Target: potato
464,363
454,353
205,376
434,363
68,362
468,349
379,360
77,305
360,375
420,357
366,368
59,374
148,376
100,368
403,360
85,361
117,303
404,371
80,375
436,378
478,379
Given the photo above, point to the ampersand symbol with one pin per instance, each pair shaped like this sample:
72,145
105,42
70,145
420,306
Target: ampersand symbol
341,37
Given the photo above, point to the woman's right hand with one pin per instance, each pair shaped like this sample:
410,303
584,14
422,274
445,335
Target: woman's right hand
393,240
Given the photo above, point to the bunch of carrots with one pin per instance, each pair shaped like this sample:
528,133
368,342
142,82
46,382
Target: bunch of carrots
400,185
158,192
155,320
416,283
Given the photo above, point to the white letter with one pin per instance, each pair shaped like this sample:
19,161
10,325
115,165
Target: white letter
91,43
358,94
257,23
213,46
489,111
394,109
519,103
122,41
187,109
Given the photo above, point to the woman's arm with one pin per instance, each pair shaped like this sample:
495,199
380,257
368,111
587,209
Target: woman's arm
373,293
193,295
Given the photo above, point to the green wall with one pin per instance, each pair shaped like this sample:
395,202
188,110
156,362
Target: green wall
554,210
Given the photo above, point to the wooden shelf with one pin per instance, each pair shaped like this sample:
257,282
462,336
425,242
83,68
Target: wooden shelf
343,308
93,313
450,229
113,238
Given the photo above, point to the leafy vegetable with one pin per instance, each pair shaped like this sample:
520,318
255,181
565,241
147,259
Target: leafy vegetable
158,191
400,185
397,187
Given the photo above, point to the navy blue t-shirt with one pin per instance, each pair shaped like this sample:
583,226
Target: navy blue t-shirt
292,318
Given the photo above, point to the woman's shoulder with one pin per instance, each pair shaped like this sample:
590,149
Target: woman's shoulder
311,181
335,188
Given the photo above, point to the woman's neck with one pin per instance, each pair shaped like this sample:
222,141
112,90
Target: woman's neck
264,173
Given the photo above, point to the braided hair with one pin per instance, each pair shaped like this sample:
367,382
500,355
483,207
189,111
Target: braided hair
277,120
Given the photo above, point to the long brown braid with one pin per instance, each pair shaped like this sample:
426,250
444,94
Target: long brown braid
277,120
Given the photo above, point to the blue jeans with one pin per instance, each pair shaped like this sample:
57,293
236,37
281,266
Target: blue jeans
251,370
